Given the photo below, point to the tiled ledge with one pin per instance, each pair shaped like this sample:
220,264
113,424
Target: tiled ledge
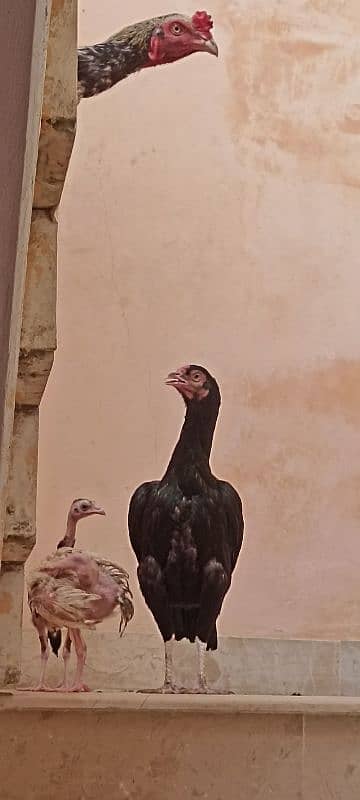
182,703
246,666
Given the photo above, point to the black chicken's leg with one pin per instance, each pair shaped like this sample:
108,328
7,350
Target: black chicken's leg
215,585
154,590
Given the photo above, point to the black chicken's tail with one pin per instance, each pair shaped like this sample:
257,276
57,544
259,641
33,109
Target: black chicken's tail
212,641
185,621
55,641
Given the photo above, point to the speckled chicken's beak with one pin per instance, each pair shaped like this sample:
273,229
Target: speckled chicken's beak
211,47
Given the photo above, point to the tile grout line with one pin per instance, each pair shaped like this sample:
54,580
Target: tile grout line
303,758
339,645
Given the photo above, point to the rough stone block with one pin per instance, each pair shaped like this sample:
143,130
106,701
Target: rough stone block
20,521
55,146
39,313
59,105
34,370
38,334
60,90
11,606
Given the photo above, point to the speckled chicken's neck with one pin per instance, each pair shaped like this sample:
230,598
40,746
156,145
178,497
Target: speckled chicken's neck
101,66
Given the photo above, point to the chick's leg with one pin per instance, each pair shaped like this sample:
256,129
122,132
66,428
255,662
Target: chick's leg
41,628
81,650
66,651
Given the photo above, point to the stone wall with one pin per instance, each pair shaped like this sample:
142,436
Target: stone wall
33,355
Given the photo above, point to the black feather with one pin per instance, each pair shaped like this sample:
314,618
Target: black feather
55,641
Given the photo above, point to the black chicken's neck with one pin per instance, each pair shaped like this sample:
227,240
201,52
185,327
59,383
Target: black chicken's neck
192,451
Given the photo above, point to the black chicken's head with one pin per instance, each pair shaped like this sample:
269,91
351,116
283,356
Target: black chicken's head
195,384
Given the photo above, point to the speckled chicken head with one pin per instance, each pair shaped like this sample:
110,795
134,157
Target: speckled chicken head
177,36
194,383
82,507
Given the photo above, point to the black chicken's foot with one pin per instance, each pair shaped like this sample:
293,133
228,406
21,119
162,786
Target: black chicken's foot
208,690
203,688
166,688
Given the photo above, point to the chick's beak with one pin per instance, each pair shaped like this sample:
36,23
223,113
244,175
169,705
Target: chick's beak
98,510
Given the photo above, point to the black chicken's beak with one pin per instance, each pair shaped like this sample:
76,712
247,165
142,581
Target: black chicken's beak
175,379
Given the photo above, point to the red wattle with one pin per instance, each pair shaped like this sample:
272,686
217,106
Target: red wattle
154,49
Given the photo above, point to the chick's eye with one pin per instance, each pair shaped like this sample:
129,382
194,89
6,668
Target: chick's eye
176,28
83,506
196,376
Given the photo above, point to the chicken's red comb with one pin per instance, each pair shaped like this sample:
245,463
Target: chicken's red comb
202,21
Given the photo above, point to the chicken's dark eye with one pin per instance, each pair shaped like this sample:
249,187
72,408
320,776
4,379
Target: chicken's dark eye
196,376
176,28
83,506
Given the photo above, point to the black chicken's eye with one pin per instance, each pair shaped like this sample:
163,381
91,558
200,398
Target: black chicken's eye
196,376
176,28
83,506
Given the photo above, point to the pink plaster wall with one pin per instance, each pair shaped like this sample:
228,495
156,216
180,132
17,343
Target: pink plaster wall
212,214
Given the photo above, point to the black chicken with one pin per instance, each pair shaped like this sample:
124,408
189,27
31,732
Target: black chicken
187,529
150,43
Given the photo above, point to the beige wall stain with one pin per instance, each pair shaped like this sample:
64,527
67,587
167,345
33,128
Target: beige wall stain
211,215
293,72
330,389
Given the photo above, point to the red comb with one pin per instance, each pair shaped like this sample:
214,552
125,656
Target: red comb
202,21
